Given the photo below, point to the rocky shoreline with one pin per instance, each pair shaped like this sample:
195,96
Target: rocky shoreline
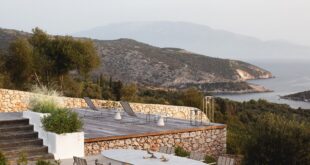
255,89
234,87
300,96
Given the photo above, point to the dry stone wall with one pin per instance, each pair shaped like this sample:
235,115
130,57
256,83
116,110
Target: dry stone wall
17,101
209,140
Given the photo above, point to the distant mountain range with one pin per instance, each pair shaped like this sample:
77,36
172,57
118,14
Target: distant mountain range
201,39
134,62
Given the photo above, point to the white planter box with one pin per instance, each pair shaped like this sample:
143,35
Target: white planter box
62,146
67,145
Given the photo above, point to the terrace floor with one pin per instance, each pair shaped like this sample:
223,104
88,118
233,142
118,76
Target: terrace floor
102,125
10,115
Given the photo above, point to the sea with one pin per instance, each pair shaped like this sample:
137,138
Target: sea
291,76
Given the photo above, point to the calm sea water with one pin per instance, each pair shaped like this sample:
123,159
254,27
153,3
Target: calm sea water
291,77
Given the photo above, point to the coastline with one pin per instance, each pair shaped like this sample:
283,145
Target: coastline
295,99
255,89
300,96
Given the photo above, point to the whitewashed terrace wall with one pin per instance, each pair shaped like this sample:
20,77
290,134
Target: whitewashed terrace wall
17,101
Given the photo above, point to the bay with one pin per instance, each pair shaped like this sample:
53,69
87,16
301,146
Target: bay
290,77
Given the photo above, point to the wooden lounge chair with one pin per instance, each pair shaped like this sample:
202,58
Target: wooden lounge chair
90,104
223,160
197,156
92,107
128,110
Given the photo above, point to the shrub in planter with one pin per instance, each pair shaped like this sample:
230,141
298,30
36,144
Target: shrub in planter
179,151
44,106
3,160
46,100
62,121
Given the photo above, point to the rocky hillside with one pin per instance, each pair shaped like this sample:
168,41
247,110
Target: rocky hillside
132,61
8,35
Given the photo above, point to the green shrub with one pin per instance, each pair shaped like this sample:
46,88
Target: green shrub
92,90
3,160
179,151
209,159
44,106
62,121
278,140
72,87
43,162
22,159
47,100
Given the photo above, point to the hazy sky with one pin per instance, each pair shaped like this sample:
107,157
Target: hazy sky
265,19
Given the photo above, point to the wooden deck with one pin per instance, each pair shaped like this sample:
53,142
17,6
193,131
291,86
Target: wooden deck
103,126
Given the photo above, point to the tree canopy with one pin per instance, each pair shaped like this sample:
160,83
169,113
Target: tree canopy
46,59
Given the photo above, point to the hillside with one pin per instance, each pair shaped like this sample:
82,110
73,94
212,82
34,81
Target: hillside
201,39
7,35
300,96
131,61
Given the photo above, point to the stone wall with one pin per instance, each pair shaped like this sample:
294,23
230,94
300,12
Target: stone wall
16,101
210,140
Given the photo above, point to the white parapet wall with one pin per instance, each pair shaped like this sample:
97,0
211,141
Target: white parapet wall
62,146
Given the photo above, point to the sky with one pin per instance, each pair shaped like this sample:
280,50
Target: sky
265,19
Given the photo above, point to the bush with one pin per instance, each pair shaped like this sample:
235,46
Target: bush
209,159
22,159
193,97
62,121
44,106
43,162
44,90
278,140
72,87
179,151
3,160
47,101
129,92
92,90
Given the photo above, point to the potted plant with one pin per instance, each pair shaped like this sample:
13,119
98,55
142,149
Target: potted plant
64,136
59,127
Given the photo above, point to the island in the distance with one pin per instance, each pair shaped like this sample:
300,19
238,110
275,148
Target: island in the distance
300,96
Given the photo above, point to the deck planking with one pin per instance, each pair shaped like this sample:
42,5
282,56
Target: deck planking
102,124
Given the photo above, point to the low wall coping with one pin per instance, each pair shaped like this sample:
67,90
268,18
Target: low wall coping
91,140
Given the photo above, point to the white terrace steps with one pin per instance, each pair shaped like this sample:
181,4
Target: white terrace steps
18,137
